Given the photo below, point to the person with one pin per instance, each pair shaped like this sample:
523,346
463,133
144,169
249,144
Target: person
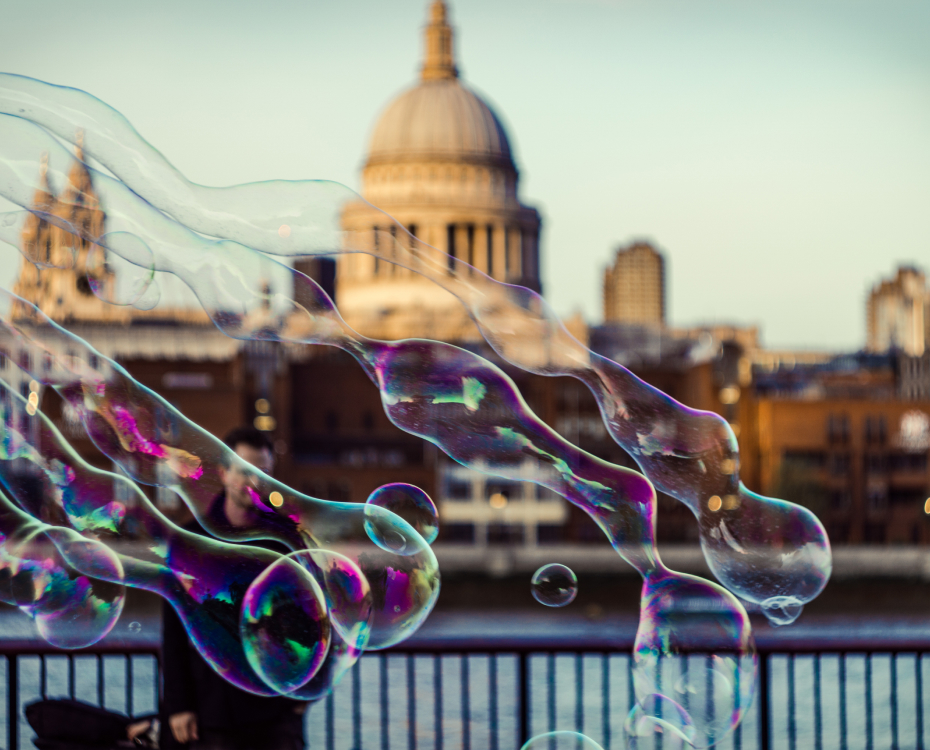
204,710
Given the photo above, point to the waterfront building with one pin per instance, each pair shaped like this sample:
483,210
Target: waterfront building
898,313
837,437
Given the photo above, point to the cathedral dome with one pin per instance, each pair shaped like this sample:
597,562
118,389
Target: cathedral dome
439,119
443,120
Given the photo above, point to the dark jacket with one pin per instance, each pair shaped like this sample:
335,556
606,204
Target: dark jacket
192,685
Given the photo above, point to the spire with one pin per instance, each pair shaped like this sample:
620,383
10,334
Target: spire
439,62
79,144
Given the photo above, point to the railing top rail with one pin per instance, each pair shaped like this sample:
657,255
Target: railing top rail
526,645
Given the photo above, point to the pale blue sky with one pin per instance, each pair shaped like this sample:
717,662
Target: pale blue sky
778,151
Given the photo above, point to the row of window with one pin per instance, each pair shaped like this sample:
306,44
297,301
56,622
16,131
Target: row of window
840,464
460,490
874,428
502,533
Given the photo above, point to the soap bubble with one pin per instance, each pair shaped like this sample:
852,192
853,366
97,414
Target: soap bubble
205,580
345,589
554,585
658,722
135,627
412,504
694,646
284,627
120,269
782,610
561,741
688,454
72,609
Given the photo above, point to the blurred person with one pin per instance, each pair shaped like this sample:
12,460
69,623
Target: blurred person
204,710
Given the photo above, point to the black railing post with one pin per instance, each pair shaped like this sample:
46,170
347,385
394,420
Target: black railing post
765,729
523,685
12,692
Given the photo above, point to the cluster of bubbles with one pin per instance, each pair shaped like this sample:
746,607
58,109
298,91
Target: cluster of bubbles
360,577
763,550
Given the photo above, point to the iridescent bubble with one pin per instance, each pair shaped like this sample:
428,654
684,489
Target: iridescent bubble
782,610
155,444
658,722
412,504
284,628
689,454
71,609
134,627
554,585
561,741
346,591
694,646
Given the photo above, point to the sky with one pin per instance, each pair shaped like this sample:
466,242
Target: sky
777,152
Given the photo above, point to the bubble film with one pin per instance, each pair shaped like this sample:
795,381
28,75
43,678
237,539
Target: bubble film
760,548
561,741
765,550
155,445
412,504
283,625
205,580
454,398
554,585
71,586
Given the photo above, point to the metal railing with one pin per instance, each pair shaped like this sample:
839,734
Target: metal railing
454,694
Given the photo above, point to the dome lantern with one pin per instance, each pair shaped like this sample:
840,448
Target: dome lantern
439,61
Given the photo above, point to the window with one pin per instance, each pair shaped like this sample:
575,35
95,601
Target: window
875,463
471,244
450,246
549,534
489,233
838,428
839,464
457,489
460,533
505,533
876,430
377,247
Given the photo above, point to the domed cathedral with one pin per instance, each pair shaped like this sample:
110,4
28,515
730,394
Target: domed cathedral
441,164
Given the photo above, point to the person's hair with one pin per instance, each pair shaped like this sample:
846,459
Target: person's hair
247,435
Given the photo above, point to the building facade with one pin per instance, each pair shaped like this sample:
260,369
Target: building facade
634,286
898,313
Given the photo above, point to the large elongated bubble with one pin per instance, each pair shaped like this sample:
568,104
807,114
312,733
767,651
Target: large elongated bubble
156,445
453,398
765,550
209,583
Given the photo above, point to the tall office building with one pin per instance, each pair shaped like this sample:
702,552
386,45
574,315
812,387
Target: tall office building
898,313
634,286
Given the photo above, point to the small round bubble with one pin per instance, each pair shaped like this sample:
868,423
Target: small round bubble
561,741
135,627
554,585
284,628
412,504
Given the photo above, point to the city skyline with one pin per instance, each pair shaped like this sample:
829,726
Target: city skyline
779,218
